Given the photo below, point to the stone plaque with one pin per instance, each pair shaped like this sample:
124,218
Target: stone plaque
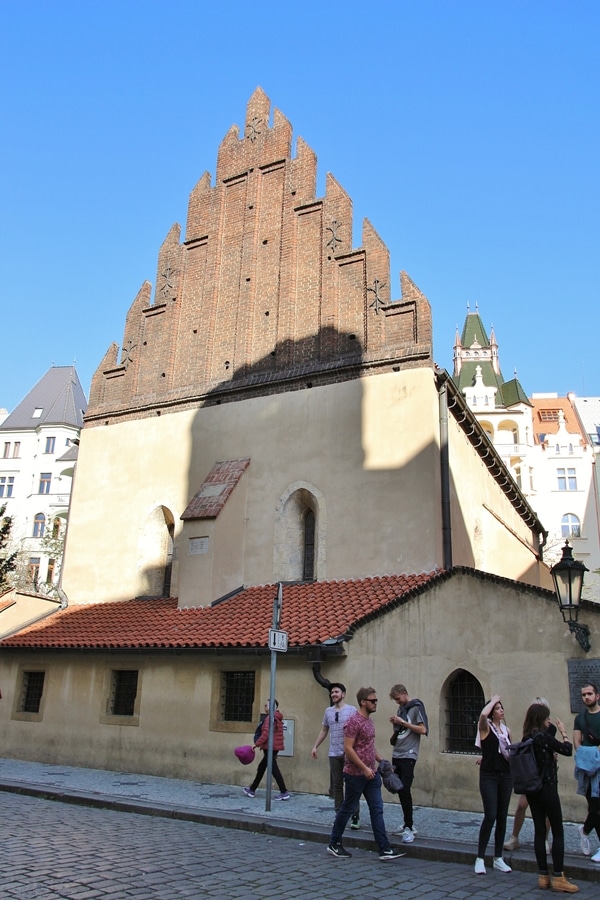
198,545
581,672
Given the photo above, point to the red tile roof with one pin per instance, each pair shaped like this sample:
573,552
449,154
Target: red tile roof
312,613
216,489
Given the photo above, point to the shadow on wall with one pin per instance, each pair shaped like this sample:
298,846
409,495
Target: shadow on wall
306,507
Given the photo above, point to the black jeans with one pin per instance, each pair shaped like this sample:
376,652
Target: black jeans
545,804
593,817
262,768
405,768
495,789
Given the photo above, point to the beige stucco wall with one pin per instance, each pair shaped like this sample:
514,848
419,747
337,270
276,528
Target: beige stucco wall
487,531
369,446
511,639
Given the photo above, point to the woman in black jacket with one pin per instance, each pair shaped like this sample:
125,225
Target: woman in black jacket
545,803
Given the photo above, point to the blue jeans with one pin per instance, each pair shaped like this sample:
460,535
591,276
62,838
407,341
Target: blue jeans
356,786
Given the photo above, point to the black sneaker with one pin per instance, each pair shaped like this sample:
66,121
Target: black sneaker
355,823
391,853
338,850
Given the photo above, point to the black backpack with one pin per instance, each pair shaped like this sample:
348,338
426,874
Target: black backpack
524,769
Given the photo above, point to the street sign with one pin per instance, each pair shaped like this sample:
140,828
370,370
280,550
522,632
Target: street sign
278,640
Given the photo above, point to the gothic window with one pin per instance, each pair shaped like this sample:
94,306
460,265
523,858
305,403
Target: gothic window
155,556
464,700
299,546
308,569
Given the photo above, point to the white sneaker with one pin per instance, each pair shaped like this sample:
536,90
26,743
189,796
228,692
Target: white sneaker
596,856
407,836
501,865
513,843
479,866
585,841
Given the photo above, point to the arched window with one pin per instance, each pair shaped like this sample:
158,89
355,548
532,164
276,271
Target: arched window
464,700
155,553
39,525
570,526
299,545
308,568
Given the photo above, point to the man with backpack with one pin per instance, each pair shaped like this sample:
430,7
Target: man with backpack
586,733
409,723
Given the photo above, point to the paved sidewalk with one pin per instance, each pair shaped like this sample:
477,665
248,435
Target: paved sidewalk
442,834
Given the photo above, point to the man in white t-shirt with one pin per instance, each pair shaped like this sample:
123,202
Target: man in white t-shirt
334,718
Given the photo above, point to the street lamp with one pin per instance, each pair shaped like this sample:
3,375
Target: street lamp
568,576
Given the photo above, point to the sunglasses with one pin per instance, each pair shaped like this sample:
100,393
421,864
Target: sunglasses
372,700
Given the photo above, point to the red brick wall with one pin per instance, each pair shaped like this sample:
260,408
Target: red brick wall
266,292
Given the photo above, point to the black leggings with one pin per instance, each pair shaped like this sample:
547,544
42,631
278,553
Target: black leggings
262,768
495,789
593,817
545,804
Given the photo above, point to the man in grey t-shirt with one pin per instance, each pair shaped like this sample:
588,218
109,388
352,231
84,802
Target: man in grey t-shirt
409,723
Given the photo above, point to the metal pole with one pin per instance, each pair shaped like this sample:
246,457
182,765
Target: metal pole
276,619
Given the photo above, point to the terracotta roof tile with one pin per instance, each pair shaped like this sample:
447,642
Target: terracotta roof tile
312,614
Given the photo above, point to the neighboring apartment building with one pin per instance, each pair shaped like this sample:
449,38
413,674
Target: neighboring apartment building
37,458
542,441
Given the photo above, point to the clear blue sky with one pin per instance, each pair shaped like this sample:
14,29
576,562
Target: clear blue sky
467,132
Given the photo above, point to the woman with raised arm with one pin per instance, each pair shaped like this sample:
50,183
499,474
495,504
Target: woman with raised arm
495,783
545,803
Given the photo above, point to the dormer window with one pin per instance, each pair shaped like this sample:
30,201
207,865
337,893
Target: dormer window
37,413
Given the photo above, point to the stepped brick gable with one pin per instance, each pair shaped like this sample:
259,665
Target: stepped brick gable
265,293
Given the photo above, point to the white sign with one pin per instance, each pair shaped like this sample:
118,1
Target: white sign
278,640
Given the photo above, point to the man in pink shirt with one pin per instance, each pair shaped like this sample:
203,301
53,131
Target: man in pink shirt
361,778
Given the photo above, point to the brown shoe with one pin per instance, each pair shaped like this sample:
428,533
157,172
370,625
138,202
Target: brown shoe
560,883
543,881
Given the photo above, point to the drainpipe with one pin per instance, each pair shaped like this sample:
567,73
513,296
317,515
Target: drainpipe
324,682
445,475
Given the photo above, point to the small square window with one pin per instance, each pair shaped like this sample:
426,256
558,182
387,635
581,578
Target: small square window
32,690
124,692
237,696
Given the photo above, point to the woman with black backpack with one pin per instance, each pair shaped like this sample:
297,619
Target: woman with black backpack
545,803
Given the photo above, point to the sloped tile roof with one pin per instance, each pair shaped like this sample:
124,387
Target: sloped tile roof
312,614
59,396
546,407
216,489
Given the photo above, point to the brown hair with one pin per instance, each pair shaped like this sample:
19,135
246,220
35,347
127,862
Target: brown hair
363,693
535,719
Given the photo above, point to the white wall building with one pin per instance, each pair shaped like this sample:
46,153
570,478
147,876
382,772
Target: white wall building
37,458
544,443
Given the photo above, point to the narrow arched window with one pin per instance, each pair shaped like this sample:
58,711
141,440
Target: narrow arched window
308,565
39,525
464,702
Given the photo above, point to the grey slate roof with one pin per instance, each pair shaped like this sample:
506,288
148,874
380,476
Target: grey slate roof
60,397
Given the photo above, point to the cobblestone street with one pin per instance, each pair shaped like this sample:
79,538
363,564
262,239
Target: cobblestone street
53,850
